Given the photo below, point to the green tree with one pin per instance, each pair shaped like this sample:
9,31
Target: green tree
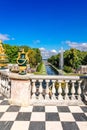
38,55
12,52
32,58
71,58
26,48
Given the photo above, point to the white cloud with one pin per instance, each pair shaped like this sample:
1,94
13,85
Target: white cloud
36,41
53,51
5,37
46,54
80,46
42,49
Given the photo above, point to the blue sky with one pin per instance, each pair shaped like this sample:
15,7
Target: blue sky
45,24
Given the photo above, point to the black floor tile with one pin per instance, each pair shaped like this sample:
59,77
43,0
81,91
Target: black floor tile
84,108
13,109
38,109
80,116
37,126
52,117
69,126
23,116
1,113
1,97
63,109
4,102
5,125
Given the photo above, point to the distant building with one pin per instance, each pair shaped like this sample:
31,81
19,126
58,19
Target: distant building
82,69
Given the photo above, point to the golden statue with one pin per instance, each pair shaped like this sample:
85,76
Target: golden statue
22,61
3,57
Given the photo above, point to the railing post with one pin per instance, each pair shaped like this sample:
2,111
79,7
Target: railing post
40,89
79,90
53,90
60,90
66,90
73,90
34,89
47,89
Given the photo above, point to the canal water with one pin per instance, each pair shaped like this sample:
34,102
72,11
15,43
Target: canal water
51,71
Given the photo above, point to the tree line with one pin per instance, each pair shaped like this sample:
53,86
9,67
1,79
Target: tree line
34,54
73,59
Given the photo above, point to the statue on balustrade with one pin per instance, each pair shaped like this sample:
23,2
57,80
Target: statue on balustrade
3,57
22,61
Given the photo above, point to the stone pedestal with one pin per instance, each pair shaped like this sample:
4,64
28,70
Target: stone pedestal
20,88
20,92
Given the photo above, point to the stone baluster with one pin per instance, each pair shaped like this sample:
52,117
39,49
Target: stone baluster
9,88
47,90
34,89
60,90
66,90
41,89
73,90
79,89
0,83
53,90
6,82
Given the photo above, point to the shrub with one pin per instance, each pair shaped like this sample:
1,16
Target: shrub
68,69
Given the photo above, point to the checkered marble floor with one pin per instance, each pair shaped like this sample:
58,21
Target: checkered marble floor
42,117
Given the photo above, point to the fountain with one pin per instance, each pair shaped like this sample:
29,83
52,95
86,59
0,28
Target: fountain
61,63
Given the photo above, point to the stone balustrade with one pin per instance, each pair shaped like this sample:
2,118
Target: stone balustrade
30,89
55,89
5,86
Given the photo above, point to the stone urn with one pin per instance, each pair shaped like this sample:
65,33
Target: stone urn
22,62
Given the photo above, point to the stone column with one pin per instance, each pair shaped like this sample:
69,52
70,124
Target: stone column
20,90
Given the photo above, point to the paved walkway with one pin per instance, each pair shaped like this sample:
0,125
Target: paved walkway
42,117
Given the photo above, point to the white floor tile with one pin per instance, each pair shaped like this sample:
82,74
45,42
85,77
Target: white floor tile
51,109
9,116
53,126
38,116
66,117
3,108
82,125
86,114
26,109
75,109
20,125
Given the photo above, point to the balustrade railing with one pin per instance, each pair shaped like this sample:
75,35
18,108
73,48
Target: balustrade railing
56,88
5,86
47,88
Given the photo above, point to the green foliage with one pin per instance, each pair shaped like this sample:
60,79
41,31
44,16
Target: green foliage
41,69
38,55
26,48
54,60
73,58
12,52
68,69
34,55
